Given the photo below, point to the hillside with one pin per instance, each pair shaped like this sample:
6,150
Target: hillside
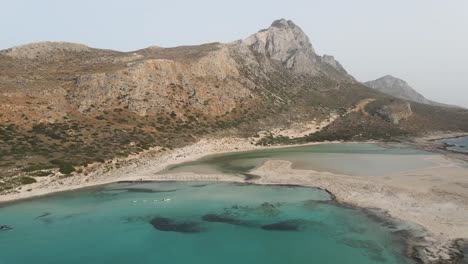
66,106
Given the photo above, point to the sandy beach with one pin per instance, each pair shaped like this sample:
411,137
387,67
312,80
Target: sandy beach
435,198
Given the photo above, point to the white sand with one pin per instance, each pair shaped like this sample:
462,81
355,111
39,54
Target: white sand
137,167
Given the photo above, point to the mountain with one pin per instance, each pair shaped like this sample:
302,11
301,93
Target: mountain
69,106
398,88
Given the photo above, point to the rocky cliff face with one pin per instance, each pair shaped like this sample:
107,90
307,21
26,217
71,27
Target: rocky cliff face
330,60
209,86
395,112
285,44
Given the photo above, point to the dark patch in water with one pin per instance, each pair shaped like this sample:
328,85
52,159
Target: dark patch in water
140,181
265,209
372,249
43,215
269,209
316,204
104,194
237,210
47,220
70,216
221,219
199,185
381,217
288,185
135,219
169,225
241,184
226,219
288,225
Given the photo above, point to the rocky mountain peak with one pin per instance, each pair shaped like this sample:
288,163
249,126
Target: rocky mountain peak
286,43
283,23
392,79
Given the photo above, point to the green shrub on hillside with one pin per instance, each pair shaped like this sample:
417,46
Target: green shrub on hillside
27,180
65,167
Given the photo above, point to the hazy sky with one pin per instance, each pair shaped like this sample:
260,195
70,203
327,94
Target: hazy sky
424,42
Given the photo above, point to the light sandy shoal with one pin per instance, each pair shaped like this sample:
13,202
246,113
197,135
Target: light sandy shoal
139,167
435,198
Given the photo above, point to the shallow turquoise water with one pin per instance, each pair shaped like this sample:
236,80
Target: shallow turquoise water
255,224
343,158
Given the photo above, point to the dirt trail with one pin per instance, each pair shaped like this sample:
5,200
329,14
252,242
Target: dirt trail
361,106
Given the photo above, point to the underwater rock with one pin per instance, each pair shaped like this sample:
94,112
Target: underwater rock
136,219
372,249
169,225
237,210
43,215
317,204
199,185
221,219
288,225
268,209
214,218
47,220
265,209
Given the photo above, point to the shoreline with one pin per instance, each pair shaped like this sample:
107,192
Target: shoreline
420,206
430,143
159,161
101,176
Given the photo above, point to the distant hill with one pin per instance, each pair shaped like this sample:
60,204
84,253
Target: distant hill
399,88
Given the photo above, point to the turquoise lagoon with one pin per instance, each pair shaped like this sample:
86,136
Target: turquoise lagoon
215,222
202,223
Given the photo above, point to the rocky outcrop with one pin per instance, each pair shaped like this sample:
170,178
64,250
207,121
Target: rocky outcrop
286,43
395,112
330,60
206,80
285,46
209,86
